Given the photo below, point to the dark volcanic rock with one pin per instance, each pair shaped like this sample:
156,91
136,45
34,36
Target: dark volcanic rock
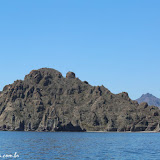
46,101
150,99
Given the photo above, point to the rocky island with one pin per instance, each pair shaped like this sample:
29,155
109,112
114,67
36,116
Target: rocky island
47,101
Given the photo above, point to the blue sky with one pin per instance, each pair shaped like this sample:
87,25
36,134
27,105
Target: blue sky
110,42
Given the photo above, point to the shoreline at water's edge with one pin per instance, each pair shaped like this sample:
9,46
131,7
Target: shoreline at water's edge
123,132
84,132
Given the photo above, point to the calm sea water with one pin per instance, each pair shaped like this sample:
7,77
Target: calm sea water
77,146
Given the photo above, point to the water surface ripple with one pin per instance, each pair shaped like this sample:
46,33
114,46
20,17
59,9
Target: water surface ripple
79,146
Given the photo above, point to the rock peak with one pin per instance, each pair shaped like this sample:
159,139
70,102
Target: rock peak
150,99
70,75
37,75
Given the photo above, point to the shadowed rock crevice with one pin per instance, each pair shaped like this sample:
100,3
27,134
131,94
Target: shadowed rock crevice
69,127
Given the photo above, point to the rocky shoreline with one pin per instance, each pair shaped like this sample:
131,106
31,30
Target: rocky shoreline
47,101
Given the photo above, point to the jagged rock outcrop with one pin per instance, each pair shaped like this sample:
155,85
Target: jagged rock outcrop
70,75
46,101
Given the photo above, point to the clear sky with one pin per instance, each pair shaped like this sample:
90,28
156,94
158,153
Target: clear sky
111,42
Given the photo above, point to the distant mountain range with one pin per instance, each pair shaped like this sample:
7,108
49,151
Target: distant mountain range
150,99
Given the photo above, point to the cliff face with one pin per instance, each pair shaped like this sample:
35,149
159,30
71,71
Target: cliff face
46,101
150,99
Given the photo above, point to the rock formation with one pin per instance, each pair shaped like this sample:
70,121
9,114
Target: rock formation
46,101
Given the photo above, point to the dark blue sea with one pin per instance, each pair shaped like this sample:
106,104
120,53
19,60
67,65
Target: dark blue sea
79,146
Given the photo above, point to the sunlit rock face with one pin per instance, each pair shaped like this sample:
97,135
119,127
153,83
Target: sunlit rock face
46,101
